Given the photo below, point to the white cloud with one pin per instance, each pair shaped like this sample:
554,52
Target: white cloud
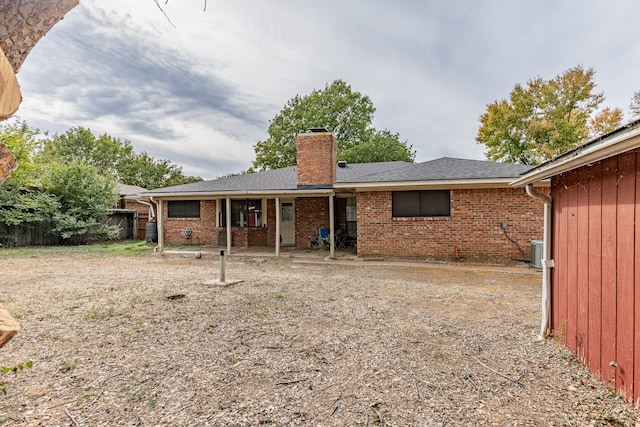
201,94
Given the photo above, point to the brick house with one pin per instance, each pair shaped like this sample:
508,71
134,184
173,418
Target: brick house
591,255
130,214
438,208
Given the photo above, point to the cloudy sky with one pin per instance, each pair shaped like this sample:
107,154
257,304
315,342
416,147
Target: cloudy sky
201,90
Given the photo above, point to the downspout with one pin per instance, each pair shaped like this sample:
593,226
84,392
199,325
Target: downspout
143,202
159,246
547,264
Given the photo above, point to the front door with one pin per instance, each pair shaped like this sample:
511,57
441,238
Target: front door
288,223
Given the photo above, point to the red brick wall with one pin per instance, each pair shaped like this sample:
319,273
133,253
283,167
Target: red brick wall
271,222
135,206
316,155
311,214
202,229
474,226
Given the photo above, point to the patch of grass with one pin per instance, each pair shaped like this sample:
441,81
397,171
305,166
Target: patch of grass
120,248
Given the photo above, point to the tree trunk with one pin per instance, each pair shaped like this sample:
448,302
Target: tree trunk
24,22
8,327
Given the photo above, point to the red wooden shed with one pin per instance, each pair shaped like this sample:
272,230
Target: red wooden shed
591,268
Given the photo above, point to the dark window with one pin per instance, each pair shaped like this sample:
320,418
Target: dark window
421,203
184,209
244,213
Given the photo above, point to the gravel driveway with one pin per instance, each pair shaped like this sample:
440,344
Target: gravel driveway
141,340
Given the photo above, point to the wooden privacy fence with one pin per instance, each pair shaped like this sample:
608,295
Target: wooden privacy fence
20,235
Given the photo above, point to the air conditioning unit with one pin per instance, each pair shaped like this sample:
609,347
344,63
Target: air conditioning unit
536,253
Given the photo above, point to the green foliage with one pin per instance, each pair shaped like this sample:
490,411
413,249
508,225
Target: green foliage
605,121
382,146
339,109
22,141
85,196
21,201
116,157
70,182
26,206
543,119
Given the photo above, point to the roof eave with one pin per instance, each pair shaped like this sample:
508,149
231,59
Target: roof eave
202,195
440,184
616,144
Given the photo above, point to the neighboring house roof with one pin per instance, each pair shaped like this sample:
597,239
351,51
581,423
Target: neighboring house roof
130,190
445,169
621,140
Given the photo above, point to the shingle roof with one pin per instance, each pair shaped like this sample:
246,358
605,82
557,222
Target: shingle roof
446,168
129,190
285,179
277,179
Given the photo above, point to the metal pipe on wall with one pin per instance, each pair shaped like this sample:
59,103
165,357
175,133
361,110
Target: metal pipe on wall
547,264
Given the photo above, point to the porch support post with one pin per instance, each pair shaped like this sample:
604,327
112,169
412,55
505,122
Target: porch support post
160,226
228,208
332,240
277,226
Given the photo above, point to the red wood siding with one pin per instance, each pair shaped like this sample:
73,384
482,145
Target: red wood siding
572,260
595,269
595,309
625,272
608,332
636,297
582,267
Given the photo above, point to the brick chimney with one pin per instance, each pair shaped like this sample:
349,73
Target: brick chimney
317,155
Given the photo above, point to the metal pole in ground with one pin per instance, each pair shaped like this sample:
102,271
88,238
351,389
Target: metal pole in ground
223,266
222,281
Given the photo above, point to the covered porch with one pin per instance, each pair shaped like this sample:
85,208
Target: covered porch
278,221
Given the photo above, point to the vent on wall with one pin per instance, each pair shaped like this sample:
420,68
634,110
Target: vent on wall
342,164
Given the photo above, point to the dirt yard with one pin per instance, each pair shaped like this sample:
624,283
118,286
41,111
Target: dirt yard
140,340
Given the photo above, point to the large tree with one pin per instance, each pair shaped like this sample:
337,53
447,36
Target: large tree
71,197
544,118
346,113
21,202
117,157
